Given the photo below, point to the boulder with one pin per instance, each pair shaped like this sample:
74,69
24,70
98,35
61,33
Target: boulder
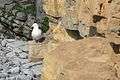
38,50
21,16
87,59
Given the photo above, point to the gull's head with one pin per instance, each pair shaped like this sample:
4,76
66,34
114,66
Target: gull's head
35,25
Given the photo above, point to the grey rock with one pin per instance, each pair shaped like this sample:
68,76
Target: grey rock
16,30
23,77
23,55
14,12
5,68
2,53
83,29
21,1
24,61
3,60
10,54
10,40
4,43
2,79
14,70
37,70
14,64
16,50
30,20
18,22
29,65
1,68
10,18
17,44
15,60
27,72
70,22
24,48
10,6
10,78
2,2
73,24
2,18
3,75
21,16
114,29
15,25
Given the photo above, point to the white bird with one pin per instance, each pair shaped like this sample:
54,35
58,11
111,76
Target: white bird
36,32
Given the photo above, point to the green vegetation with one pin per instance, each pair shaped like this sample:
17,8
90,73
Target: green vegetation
12,27
29,9
45,24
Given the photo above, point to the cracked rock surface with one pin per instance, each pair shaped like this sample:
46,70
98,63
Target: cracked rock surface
14,64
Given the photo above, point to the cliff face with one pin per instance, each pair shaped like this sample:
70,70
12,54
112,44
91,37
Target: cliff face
82,14
70,20
81,60
70,60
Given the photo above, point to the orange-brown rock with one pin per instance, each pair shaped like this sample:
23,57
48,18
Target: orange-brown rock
59,33
99,13
87,59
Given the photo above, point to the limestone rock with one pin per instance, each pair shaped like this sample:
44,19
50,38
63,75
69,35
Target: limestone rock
37,51
54,7
101,14
59,33
21,16
74,11
87,59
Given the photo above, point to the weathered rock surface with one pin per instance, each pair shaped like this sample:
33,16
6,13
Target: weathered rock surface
82,14
14,63
87,59
59,33
38,50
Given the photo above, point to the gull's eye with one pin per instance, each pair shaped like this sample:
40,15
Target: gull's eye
39,27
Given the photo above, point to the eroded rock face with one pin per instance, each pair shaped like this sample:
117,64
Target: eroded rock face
88,59
101,14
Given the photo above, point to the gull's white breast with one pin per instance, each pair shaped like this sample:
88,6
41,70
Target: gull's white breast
36,34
